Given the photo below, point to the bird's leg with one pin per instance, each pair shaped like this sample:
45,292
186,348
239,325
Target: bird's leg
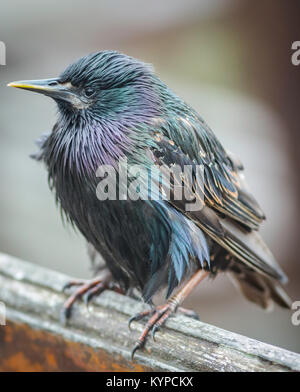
160,314
86,290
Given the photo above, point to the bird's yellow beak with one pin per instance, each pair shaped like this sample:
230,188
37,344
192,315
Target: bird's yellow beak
41,86
52,88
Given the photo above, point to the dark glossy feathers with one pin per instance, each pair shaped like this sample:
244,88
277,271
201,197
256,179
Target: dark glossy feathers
155,243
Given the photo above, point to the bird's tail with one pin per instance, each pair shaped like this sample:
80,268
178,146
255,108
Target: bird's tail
260,289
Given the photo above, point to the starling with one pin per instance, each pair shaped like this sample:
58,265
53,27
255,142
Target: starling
110,107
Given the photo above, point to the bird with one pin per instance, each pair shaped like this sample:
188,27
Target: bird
113,107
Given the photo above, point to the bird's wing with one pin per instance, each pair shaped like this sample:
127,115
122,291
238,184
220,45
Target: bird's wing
229,213
224,188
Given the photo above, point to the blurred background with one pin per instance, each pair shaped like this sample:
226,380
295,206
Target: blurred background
231,60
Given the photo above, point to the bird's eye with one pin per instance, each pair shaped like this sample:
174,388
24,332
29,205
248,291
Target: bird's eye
89,92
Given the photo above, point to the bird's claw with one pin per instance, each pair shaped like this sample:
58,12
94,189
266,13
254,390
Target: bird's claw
65,314
96,290
136,347
133,318
139,316
153,332
86,290
72,283
158,317
86,298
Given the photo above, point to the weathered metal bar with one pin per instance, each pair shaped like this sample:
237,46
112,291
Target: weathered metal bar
97,339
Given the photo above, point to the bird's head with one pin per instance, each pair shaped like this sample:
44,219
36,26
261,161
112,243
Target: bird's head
105,84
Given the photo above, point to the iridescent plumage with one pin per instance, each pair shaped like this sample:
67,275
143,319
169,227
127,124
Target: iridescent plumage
113,106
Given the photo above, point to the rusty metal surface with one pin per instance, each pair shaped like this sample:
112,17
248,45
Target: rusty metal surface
31,350
97,339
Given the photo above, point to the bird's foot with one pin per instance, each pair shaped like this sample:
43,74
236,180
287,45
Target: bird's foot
86,289
158,316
